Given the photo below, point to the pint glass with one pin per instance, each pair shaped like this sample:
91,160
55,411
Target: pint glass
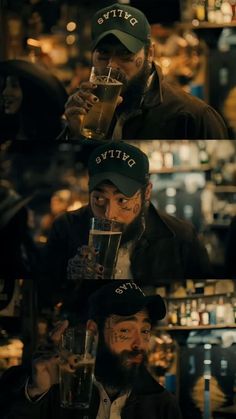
96,122
77,343
105,236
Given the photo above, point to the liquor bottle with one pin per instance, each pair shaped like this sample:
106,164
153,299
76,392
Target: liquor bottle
188,314
173,314
200,10
203,153
204,315
182,315
194,314
212,312
226,11
234,310
233,6
220,311
211,11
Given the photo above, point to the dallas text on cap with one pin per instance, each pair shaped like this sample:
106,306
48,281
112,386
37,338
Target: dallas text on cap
117,13
118,155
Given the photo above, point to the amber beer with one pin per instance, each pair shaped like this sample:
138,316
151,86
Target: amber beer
96,122
77,347
106,243
76,387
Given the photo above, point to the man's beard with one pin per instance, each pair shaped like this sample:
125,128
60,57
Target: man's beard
112,370
135,229
134,90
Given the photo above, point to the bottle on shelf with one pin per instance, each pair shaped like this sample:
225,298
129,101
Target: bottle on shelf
234,310
220,311
194,314
203,153
212,312
182,315
188,313
203,313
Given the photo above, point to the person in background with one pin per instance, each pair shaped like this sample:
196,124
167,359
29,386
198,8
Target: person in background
60,201
180,56
18,250
81,71
122,317
32,102
149,108
154,245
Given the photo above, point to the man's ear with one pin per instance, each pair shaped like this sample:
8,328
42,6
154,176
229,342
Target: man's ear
151,53
92,326
148,192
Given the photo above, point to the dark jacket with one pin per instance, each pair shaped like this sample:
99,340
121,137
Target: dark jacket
147,400
168,249
167,112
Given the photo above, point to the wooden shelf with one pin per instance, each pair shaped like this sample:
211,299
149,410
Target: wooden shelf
225,189
183,169
208,327
205,25
198,296
220,224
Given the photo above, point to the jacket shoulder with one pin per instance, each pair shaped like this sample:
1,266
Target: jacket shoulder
180,228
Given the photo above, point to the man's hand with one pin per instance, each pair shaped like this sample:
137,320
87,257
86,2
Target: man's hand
78,104
84,266
46,363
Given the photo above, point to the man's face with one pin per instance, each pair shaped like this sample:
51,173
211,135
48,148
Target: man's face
108,202
122,349
111,53
128,336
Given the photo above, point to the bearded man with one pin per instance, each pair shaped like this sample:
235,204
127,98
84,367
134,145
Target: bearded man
154,245
122,317
149,108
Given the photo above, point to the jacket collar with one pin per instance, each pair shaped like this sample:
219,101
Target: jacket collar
146,384
156,226
153,95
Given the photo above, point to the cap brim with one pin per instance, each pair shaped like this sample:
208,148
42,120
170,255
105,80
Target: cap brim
125,185
153,303
130,42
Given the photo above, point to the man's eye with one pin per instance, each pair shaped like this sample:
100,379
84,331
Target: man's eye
127,57
103,56
123,201
99,201
146,331
124,330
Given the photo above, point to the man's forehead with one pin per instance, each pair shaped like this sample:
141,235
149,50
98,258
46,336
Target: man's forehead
107,187
141,315
112,44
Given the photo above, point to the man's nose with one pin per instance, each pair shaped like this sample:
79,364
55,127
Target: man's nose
111,211
113,62
137,341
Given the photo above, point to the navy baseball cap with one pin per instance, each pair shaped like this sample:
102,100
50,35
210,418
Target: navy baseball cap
128,24
124,165
125,298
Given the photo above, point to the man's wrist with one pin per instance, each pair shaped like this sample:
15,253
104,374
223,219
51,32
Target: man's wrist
32,393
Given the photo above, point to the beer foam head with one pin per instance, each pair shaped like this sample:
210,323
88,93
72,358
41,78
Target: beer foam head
124,165
128,24
125,298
